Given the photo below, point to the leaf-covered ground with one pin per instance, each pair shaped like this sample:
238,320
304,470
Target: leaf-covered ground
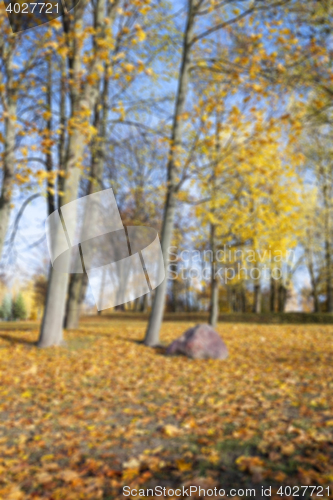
82,421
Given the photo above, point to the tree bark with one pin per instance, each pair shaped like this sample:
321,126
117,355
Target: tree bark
257,299
143,307
77,289
328,263
214,294
272,295
243,299
314,288
155,320
233,299
282,298
49,161
9,144
62,126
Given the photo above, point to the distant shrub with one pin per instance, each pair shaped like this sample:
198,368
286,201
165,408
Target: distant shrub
19,310
6,308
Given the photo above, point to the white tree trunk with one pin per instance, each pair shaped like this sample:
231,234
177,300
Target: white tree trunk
51,330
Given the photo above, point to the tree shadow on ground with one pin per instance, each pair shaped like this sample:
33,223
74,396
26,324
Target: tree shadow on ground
13,339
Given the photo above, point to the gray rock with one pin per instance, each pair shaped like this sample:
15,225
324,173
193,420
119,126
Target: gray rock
199,342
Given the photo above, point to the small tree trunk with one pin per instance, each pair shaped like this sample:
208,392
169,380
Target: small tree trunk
136,304
174,288
214,308
315,295
313,280
315,301
76,294
214,294
239,300
257,299
272,295
144,304
282,297
214,299
243,298
329,290
120,307
229,298
187,293
327,223
233,300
